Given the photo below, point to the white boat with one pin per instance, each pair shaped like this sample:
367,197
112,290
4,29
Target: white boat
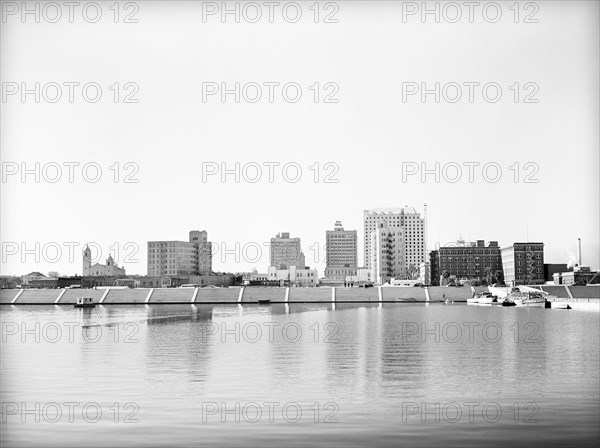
484,298
560,306
527,296
523,296
533,301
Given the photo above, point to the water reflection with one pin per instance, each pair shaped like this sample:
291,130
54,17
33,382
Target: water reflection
368,359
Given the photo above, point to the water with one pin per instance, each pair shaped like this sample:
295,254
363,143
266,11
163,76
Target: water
360,376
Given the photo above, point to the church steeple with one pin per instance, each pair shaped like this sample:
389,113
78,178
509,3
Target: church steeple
87,260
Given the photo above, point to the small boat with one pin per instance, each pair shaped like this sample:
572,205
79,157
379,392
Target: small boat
527,296
532,302
400,299
508,303
560,306
530,297
84,302
484,298
263,301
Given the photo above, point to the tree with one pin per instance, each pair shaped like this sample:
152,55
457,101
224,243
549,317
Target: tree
489,277
445,277
476,282
413,272
499,275
53,274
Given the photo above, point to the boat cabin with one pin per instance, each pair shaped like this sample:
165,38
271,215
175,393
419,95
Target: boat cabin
84,302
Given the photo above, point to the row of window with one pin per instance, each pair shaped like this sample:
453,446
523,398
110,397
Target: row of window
446,259
538,263
538,255
446,252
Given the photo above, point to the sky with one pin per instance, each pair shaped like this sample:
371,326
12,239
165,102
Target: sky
145,160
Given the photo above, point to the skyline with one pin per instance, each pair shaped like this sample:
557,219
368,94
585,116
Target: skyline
170,134
337,223
226,250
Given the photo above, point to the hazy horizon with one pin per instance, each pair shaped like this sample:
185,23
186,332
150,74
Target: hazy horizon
370,58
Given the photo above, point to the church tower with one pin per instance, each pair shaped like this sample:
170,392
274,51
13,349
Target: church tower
110,265
87,261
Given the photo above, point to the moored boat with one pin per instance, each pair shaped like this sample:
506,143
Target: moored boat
560,306
532,302
484,298
523,296
526,296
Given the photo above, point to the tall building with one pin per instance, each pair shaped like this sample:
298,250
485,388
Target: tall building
470,259
340,247
193,257
413,226
110,269
387,251
523,264
286,252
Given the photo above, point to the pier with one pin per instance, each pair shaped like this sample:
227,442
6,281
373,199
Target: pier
578,297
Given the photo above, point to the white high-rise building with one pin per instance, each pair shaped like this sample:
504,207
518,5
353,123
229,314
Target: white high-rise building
387,253
413,226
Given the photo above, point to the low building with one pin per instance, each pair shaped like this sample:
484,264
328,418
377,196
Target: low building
294,276
31,276
551,269
9,281
363,276
580,275
256,278
154,282
403,282
129,282
96,281
65,282
214,280
43,283
523,264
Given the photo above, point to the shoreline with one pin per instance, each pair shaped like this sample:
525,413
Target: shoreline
274,295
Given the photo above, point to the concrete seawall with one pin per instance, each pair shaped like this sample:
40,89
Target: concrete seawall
252,294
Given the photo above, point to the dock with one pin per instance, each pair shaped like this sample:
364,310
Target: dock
577,297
